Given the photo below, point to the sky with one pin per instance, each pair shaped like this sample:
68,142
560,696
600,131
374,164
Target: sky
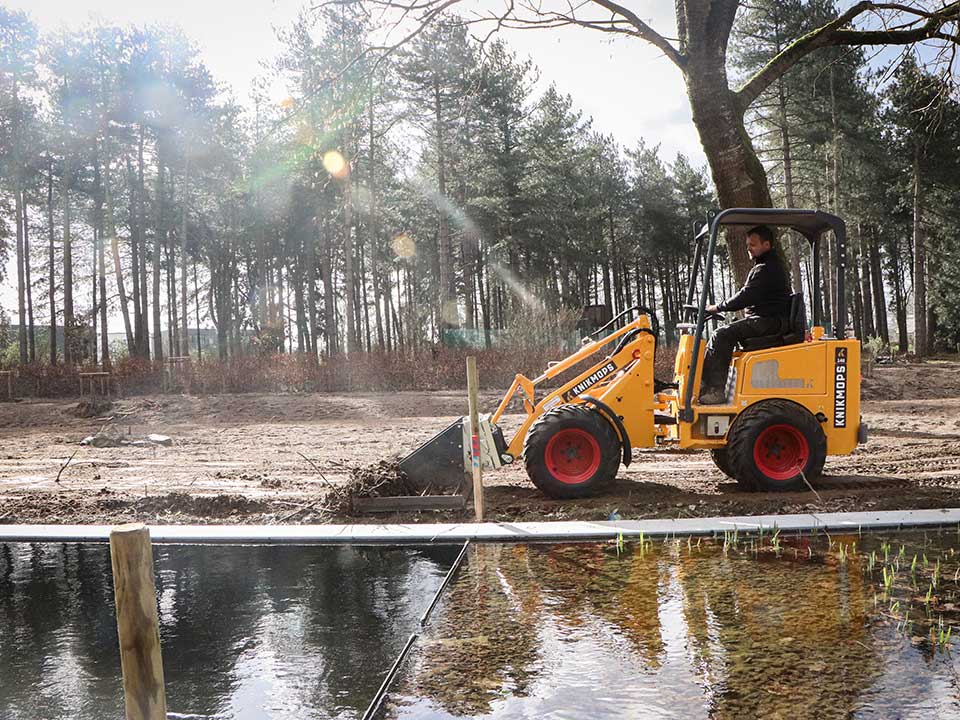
629,89
626,86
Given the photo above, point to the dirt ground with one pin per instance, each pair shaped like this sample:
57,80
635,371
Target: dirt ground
241,459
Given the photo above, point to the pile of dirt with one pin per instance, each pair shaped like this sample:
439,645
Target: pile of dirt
94,407
382,479
177,503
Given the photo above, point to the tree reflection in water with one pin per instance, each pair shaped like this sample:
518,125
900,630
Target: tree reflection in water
665,630
246,632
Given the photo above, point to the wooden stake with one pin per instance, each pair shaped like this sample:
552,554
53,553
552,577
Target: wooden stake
137,624
473,392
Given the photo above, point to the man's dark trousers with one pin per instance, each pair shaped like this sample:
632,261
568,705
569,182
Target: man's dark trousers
716,361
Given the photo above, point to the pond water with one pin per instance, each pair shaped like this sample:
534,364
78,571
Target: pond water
246,632
839,627
735,627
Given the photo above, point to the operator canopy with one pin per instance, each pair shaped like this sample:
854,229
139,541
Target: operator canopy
809,223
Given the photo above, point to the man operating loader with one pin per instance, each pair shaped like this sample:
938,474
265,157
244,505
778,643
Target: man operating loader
765,297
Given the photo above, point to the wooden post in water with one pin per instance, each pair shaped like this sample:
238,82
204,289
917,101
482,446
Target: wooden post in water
137,624
473,392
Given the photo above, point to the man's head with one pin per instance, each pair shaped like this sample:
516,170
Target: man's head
759,240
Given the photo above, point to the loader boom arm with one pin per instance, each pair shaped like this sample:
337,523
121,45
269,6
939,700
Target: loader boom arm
627,368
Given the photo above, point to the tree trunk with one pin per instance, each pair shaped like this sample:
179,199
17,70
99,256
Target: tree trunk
363,293
374,225
348,270
919,263
329,308
833,266
303,332
173,305
184,199
115,251
102,278
52,280
311,290
879,295
93,291
159,238
869,329
737,172
68,310
897,279
173,327
21,278
142,240
447,308
31,327
859,325
796,249
135,233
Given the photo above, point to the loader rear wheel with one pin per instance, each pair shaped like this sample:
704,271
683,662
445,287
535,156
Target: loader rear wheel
721,458
571,452
774,444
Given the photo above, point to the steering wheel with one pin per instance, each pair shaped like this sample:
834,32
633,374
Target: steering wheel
708,316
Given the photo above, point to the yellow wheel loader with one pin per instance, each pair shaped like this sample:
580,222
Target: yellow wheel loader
792,399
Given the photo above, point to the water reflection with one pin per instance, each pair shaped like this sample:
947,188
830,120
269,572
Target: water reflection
251,632
787,630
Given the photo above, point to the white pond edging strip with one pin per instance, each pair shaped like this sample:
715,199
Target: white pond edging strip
449,533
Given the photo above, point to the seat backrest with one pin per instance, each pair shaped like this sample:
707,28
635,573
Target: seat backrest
794,332
797,326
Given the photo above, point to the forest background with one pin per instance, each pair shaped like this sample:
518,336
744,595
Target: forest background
393,214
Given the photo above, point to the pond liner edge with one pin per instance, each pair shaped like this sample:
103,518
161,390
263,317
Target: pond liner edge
519,532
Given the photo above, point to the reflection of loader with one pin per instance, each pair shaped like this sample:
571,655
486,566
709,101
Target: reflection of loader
792,399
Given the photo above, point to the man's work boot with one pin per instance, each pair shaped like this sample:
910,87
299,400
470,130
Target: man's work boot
713,396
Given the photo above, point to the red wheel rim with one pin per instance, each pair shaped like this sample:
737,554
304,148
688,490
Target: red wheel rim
572,455
781,451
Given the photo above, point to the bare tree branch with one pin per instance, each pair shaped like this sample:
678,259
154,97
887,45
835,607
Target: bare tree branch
519,15
645,32
926,25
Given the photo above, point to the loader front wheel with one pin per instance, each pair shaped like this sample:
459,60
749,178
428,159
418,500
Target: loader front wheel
571,452
774,445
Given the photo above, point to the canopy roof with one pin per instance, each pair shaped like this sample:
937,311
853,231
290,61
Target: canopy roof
809,223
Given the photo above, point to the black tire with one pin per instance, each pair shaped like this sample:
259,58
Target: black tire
721,459
572,452
771,442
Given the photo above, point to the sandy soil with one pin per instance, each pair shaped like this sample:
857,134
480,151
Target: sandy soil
241,459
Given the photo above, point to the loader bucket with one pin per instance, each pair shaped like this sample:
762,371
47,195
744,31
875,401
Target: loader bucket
438,463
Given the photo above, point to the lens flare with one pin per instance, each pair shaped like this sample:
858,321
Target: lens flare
336,164
404,246
287,103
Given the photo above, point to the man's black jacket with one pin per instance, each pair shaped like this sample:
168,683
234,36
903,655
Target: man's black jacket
766,293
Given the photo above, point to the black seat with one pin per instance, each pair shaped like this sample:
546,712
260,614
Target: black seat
795,332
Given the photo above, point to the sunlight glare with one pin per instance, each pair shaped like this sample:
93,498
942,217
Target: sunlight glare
513,282
336,164
404,246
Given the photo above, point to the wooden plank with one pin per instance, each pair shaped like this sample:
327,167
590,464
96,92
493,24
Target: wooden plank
409,502
473,393
144,696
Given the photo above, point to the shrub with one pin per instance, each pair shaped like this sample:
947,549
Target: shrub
436,368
